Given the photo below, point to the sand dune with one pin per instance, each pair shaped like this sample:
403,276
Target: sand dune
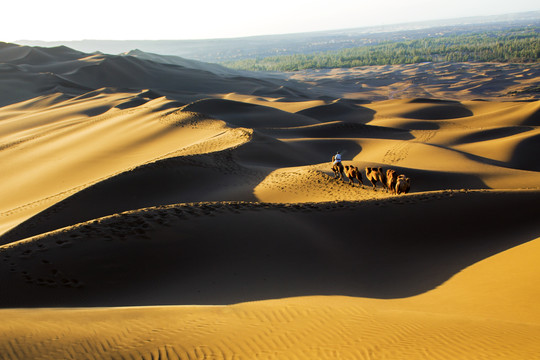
449,81
156,207
183,246
246,114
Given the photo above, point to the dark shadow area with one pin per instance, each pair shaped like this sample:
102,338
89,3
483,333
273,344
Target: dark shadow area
242,114
58,84
266,151
533,119
98,110
281,92
433,101
170,105
339,129
340,111
439,112
131,103
235,252
499,82
150,94
526,155
491,134
93,93
430,180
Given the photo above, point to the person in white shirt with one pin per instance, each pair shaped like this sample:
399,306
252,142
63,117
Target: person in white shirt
337,166
336,158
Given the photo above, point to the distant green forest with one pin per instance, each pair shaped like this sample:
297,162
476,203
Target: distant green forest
516,45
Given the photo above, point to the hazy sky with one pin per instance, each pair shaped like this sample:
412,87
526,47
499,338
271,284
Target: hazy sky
197,19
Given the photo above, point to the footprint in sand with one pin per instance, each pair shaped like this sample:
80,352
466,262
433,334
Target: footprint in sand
63,243
397,153
400,151
26,254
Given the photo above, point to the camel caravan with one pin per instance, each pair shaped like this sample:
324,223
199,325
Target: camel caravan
390,180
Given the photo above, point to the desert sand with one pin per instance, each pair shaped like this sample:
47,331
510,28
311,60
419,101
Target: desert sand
159,208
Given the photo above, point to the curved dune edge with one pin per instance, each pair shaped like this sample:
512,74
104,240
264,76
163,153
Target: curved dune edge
229,252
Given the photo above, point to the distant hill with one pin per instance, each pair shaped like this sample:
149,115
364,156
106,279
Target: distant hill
222,50
177,60
28,72
514,45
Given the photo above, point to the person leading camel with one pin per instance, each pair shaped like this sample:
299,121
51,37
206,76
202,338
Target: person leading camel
337,166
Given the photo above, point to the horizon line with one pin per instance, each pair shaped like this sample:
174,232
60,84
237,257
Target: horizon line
419,22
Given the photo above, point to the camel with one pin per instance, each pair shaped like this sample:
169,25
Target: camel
391,178
358,176
372,175
403,184
381,176
352,173
337,168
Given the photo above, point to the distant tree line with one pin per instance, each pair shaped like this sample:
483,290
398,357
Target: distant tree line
516,45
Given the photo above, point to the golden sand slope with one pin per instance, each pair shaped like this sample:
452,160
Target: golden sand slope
301,328
52,149
131,187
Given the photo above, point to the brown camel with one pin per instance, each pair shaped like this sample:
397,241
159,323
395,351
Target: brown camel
358,176
403,185
337,168
391,178
381,176
352,173
372,174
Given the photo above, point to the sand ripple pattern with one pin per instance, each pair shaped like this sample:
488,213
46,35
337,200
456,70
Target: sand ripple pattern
298,328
